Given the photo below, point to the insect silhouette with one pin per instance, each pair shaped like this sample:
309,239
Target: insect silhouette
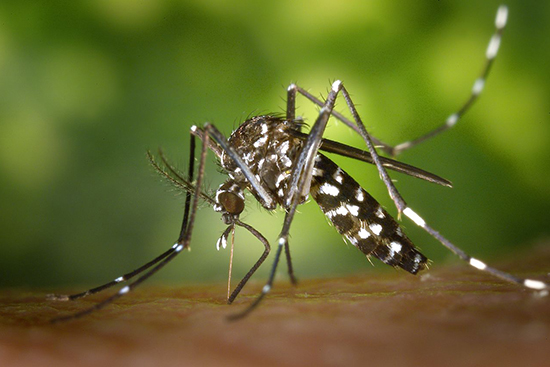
270,157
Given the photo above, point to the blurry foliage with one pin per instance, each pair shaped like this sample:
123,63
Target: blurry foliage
87,87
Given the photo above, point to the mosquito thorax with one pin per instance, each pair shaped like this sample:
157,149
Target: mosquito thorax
269,150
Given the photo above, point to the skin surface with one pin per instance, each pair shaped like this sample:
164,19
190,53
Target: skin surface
450,315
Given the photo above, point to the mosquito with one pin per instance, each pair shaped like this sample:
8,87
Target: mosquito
281,166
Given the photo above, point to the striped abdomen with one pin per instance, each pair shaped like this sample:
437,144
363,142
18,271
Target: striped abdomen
360,218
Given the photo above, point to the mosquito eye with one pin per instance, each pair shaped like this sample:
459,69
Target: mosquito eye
231,202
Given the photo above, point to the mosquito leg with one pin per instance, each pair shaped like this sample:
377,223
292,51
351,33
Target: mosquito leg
402,207
186,185
290,116
291,102
490,54
182,243
121,292
386,147
283,242
304,165
293,279
258,263
477,88
265,290
300,180
130,275
478,264
267,198
121,279
394,194
301,176
190,172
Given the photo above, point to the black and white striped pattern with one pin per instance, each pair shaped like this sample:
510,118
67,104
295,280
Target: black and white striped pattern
270,150
271,158
359,217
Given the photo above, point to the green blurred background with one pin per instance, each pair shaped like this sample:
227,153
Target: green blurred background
87,87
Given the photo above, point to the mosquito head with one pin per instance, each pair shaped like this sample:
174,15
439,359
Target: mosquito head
229,201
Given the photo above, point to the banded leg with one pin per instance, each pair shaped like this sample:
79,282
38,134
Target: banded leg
477,88
476,263
258,263
267,200
132,274
222,241
300,181
183,242
402,207
121,279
